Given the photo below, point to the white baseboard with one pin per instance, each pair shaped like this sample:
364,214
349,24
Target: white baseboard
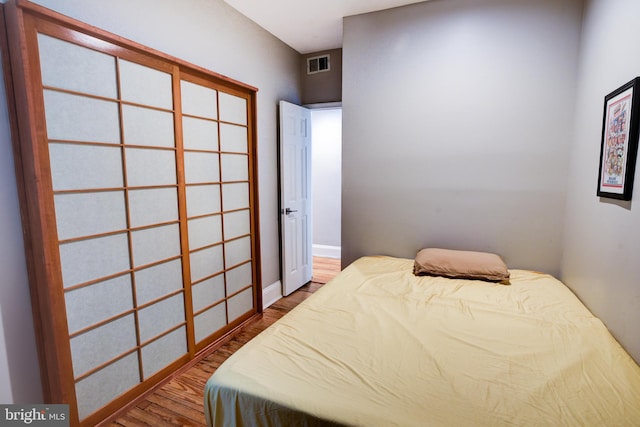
271,294
327,251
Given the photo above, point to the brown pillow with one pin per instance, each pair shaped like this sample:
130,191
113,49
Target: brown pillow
460,264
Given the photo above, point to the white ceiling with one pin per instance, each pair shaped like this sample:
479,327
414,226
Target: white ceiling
309,25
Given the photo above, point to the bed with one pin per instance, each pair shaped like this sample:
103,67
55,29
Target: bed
380,346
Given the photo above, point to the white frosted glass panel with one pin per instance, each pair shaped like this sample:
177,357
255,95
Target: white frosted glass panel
235,167
200,134
153,206
206,262
239,278
210,321
163,352
240,304
203,200
155,244
236,224
207,292
161,316
198,100
68,66
235,196
204,231
233,138
92,304
79,118
93,348
85,214
143,126
201,167
77,167
237,251
150,167
233,109
144,85
92,259
157,281
105,385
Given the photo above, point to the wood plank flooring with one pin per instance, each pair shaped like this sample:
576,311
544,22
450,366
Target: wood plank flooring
180,401
325,269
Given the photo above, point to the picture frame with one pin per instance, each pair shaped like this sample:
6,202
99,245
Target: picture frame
619,144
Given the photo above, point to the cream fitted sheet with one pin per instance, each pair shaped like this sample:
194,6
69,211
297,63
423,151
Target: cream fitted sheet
378,346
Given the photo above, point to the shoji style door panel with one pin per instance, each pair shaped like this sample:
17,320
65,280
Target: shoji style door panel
111,148
140,211
217,179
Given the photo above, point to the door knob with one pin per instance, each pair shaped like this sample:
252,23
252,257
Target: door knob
287,211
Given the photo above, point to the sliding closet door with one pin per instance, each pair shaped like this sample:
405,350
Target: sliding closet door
235,203
216,161
145,200
204,211
112,156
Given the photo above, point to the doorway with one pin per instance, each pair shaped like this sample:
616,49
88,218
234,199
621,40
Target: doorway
326,178
310,191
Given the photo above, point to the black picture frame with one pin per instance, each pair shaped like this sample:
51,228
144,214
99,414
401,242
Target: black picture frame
619,144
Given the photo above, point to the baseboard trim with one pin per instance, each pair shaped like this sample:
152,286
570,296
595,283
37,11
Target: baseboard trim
327,251
271,294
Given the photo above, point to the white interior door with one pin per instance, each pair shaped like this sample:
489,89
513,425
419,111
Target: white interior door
295,190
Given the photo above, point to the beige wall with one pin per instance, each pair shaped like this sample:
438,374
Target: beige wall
19,373
322,87
457,128
602,239
207,33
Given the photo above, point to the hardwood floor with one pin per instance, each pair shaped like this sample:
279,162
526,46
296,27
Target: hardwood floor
325,269
180,401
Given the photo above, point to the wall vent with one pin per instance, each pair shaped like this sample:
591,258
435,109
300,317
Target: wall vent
318,64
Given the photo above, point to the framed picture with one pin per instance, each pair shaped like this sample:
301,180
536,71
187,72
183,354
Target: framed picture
619,141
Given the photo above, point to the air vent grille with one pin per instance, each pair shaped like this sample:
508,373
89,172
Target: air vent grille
318,64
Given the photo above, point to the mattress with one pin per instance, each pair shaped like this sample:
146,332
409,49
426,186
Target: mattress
378,346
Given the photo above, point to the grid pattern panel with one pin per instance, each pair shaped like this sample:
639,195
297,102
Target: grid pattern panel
204,211
235,201
143,213
113,154
216,155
